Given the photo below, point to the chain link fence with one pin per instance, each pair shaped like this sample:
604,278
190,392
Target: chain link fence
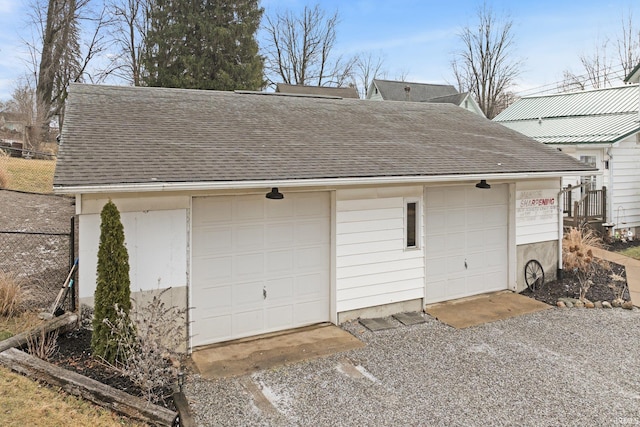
26,170
37,244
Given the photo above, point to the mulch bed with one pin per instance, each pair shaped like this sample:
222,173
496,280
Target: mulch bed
74,353
568,286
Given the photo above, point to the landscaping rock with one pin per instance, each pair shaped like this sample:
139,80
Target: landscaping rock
606,304
627,305
616,303
561,304
569,304
598,304
579,304
589,304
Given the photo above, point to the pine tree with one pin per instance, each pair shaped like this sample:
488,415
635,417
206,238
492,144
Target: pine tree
203,44
112,288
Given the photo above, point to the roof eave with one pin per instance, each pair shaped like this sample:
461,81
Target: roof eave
325,182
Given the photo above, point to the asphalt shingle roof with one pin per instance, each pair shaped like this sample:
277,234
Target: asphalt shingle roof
342,92
114,135
392,90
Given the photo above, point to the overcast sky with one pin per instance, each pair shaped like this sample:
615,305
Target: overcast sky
417,38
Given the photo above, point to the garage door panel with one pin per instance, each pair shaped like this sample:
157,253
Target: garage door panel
213,326
278,317
216,239
279,262
245,265
311,232
438,221
215,298
280,235
437,266
280,290
311,285
455,219
309,312
248,237
279,209
213,268
277,247
246,323
495,257
494,215
212,211
311,205
247,209
248,294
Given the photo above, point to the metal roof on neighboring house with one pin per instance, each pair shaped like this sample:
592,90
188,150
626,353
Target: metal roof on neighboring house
131,135
593,116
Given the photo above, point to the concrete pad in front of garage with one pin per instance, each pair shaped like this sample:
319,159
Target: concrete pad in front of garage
472,311
241,357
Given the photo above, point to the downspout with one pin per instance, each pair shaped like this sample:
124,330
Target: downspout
560,229
610,188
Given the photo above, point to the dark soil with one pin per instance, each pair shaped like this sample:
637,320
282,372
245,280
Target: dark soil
603,288
74,353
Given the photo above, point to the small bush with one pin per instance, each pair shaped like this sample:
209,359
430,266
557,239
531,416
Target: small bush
152,361
43,345
577,256
12,295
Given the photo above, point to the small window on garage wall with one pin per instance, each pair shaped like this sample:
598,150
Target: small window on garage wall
411,223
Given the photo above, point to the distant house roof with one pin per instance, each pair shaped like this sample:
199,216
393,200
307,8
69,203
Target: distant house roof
634,75
392,90
592,116
342,92
113,136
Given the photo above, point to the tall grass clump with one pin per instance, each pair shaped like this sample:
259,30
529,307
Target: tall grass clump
577,256
12,294
4,172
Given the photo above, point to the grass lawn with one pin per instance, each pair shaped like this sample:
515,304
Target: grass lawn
632,252
34,176
24,402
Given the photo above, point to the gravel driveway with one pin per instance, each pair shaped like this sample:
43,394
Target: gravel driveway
569,367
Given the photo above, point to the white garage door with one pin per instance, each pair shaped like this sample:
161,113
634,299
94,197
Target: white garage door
258,265
466,241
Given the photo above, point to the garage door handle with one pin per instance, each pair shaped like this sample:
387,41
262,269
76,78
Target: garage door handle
264,293
465,264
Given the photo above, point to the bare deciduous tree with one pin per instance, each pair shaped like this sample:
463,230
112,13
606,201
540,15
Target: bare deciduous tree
58,53
599,70
628,45
366,68
128,24
300,49
486,66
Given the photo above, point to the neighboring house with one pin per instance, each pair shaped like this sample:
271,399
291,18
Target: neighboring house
339,92
391,90
599,127
12,121
265,212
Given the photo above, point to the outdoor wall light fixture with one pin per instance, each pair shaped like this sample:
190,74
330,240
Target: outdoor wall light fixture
483,184
274,194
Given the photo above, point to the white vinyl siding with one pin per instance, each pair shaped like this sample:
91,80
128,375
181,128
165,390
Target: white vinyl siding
372,266
625,194
537,223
